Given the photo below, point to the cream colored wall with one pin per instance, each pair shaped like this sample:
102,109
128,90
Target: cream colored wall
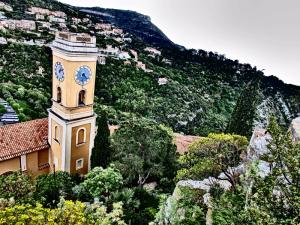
10,165
70,89
81,151
32,162
56,147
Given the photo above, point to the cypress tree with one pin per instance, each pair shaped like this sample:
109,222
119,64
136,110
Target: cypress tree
245,112
101,151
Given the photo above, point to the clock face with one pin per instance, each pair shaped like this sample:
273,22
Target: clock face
59,71
83,75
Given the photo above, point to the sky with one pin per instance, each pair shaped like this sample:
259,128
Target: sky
264,33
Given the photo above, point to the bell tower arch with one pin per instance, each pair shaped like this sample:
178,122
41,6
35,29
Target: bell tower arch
71,117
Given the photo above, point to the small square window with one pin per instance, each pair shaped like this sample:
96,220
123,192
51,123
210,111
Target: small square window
79,164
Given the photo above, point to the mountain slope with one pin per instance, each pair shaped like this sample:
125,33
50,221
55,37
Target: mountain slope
203,92
134,23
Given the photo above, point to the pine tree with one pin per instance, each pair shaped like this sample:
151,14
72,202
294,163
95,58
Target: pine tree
244,114
101,151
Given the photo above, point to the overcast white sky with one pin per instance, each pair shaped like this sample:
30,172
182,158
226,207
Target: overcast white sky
264,33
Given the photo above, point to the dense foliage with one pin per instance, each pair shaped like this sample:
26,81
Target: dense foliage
144,150
67,213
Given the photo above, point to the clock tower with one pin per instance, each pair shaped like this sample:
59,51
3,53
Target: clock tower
71,118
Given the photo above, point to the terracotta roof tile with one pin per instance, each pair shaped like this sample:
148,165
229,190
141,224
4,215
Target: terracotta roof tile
183,141
23,138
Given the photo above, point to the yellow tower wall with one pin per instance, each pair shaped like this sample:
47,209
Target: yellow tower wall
70,97
80,151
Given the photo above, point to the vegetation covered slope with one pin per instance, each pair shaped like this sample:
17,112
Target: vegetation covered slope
203,89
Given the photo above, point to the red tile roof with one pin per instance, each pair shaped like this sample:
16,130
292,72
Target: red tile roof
23,138
183,141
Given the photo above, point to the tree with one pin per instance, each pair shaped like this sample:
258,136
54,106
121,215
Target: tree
100,183
18,186
2,109
101,151
142,149
50,187
243,116
67,213
211,156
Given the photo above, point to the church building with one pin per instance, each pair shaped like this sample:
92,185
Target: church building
64,140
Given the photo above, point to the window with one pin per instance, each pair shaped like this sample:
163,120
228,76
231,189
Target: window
79,164
81,136
58,95
81,98
56,133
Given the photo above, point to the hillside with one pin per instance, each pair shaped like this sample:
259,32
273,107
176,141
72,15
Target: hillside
202,91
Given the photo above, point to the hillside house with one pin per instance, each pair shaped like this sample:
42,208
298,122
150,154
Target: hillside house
38,10
101,60
86,20
45,25
117,31
2,23
59,14
103,26
75,20
109,51
153,52
2,16
162,81
39,17
20,24
6,7
127,62
124,55
3,41
53,19
135,54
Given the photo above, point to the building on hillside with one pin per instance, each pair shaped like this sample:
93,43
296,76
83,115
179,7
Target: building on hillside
101,60
38,10
103,26
117,31
127,62
86,20
45,25
109,51
141,65
6,7
135,55
124,55
19,24
153,52
167,61
162,81
59,14
54,19
39,17
2,16
75,20
3,40
64,140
